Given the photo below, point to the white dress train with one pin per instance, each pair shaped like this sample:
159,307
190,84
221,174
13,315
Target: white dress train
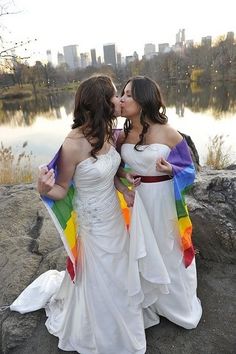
94,315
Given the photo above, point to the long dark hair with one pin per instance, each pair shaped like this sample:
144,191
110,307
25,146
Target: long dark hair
94,111
147,94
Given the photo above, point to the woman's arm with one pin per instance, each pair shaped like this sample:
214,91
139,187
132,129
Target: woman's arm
127,193
57,189
130,176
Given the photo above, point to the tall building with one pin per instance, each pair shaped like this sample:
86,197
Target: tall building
149,48
118,59
99,61
135,55
163,47
206,41
49,56
71,55
131,58
109,51
84,60
180,36
93,57
60,58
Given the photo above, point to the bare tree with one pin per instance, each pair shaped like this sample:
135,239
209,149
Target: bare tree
8,54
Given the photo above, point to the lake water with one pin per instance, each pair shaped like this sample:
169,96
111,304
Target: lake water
44,122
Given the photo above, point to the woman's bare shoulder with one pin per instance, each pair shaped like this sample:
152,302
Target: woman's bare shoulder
76,146
75,134
172,136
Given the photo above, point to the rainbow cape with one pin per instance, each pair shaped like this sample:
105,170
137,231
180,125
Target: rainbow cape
65,219
183,177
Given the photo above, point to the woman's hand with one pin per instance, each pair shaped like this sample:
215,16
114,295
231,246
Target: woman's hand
132,179
129,197
46,180
163,166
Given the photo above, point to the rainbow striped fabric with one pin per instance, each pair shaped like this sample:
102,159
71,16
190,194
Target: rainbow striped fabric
65,219
184,174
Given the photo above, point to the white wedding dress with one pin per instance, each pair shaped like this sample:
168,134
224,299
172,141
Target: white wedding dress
94,315
168,288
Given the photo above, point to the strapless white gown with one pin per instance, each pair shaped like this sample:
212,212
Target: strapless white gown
94,315
167,288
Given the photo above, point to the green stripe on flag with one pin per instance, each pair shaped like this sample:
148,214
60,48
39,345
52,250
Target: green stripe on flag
63,208
181,211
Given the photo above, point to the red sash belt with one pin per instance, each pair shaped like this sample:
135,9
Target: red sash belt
153,179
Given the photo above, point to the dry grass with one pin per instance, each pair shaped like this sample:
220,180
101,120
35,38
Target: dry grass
15,169
217,157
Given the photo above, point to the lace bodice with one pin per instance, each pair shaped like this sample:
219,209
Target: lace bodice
95,197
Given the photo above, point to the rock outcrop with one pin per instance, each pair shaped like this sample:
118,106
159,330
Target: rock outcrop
212,205
30,245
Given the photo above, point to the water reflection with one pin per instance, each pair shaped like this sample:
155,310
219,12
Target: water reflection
201,112
25,112
220,99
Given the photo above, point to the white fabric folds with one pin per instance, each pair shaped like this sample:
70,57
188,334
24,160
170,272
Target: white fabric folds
147,275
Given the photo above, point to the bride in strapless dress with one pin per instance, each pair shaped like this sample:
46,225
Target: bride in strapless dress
166,280
93,314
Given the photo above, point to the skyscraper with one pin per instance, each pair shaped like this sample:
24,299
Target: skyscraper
60,58
206,41
71,55
149,48
109,51
164,47
93,57
118,59
49,56
84,60
180,36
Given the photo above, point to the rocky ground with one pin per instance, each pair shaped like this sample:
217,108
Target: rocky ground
29,245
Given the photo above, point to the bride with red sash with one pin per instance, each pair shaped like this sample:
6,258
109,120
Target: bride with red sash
162,262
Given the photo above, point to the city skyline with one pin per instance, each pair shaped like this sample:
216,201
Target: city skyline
130,25
74,59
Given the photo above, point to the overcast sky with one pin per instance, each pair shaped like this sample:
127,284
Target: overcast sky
128,23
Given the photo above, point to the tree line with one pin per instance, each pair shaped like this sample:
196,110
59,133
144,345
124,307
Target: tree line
202,64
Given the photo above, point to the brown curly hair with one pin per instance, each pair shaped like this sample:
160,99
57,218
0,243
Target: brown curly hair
94,112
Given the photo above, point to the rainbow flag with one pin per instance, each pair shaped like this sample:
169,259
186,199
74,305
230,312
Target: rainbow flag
125,210
183,177
65,220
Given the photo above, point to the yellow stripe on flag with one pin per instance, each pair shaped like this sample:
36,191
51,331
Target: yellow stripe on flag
70,230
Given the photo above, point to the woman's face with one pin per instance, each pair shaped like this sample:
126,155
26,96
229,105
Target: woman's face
116,101
129,107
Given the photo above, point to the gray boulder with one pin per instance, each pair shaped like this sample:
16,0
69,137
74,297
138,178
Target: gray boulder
212,205
30,245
